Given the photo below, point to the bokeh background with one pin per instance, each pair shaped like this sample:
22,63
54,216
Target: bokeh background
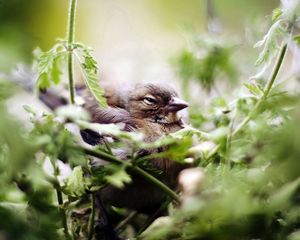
133,40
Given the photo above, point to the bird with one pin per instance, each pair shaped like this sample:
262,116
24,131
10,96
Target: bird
150,109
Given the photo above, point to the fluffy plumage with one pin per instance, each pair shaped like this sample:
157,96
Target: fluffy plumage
153,110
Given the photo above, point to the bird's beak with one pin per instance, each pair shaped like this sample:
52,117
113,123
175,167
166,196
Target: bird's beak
175,105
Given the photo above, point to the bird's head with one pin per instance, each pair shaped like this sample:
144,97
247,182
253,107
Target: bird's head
155,102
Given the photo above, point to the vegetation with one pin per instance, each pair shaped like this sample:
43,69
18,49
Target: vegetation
248,156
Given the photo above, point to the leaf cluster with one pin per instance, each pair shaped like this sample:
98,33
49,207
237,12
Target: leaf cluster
206,62
51,64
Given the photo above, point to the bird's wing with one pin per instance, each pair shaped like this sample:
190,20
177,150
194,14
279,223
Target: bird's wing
109,115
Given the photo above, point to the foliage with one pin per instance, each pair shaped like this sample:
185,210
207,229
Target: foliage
207,61
50,67
247,148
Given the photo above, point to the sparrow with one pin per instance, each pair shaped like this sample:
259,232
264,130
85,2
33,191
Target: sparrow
150,109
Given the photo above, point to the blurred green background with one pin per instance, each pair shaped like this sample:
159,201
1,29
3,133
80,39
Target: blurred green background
126,35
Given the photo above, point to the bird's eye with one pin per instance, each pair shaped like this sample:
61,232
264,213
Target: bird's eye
149,100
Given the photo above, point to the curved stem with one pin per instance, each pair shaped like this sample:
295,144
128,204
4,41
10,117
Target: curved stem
110,158
267,90
71,35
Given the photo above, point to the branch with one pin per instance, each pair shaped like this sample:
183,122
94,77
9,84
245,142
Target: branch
110,158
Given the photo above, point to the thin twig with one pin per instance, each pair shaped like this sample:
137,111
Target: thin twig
123,223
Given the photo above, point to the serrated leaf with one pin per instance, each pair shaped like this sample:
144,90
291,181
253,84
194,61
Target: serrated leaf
253,89
119,176
269,43
49,65
56,71
90,70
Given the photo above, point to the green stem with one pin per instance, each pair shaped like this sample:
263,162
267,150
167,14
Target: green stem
55,182
151,219
267,90
229,138
62,213
257,106
123,223
92,218
71,35
156,182
110,158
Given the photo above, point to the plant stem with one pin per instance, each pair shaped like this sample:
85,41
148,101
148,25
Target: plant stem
92,218
151,218
267,90
156,182
56,185
123,223
62,213
110,158
71,35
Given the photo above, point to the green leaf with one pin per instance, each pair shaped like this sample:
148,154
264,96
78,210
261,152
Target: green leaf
49,65
206,62
297,39
76,183
73,112
43,81
29,110
277,12
118,177
253,89
56,71
269,43
295,235
283,196
90,70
